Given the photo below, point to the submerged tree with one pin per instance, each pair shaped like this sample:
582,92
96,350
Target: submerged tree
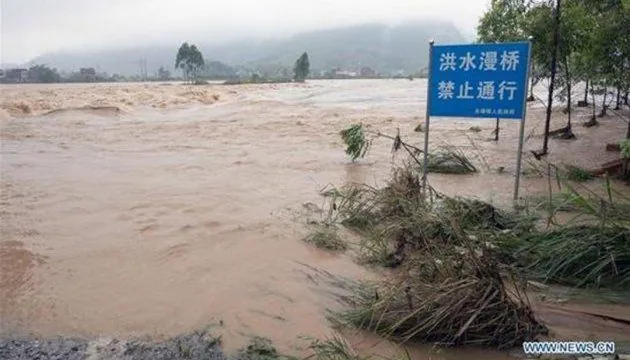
573,41
574,27
302,68
552,74
190,60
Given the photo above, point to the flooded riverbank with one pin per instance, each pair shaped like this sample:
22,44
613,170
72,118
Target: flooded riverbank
186,207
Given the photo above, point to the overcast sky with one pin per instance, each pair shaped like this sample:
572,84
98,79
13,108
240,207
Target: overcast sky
33,27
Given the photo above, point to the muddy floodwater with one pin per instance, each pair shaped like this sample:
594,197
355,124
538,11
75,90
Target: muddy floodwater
162,208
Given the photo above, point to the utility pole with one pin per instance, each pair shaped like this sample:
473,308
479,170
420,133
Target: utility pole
143,69
554,61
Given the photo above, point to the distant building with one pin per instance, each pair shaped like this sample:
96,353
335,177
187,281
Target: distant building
345,73
241,72
88,74
368,72
283,72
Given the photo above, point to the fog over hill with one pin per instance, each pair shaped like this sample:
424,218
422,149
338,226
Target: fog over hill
386,49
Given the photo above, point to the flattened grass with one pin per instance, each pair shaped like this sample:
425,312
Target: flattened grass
326,237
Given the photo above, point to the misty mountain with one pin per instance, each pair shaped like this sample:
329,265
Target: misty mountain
386,49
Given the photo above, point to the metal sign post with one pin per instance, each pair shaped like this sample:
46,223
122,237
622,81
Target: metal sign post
425,163
519,155
479,81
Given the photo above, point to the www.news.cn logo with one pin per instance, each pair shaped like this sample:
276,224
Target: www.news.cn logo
572,347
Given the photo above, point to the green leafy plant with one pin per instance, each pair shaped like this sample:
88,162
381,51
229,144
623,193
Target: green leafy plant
357,144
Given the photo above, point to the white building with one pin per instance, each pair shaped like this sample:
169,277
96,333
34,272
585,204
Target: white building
346,73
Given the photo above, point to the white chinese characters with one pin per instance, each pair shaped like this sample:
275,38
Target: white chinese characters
445,89
467,62
495,111
486,61
465,91
478,80
507,86
509,60
486,90
448,61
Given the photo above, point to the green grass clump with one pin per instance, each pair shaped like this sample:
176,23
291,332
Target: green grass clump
448,296
532,169
400,217
260,348
460,262
327,237
567,201
582,256
577,174
353,206
591,250
335,348
449,160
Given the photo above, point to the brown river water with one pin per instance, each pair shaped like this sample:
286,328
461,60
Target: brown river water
164,207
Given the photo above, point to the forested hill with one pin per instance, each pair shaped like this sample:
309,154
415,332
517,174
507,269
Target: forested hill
386,49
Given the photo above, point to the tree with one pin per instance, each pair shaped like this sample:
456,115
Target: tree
504,21
538,24
573,41
553,68
302,68
181,60
615,31
575,24
196,61
605,56
190,60
43,74
561,37
164,74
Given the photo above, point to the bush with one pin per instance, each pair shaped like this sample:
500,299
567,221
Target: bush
327,238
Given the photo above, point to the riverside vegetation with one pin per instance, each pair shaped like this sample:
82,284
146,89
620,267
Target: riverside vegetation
459,268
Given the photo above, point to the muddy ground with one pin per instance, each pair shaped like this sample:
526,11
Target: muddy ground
193,346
